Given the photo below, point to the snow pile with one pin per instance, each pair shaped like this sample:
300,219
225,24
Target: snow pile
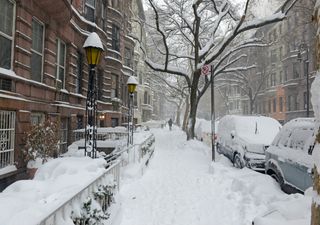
295,210
54,183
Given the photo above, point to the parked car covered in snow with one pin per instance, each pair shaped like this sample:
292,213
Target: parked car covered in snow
288,159
244,139
203,130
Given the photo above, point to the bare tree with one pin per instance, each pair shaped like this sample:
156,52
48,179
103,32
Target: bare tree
198,33
174,91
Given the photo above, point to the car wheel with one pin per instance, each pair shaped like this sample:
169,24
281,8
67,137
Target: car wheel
279,180
237,161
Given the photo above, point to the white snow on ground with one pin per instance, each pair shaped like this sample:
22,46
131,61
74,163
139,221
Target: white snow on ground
181,187
54,183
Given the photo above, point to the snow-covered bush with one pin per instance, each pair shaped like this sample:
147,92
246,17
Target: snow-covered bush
42,141
94,209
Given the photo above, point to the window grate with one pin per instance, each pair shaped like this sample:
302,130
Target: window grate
7,135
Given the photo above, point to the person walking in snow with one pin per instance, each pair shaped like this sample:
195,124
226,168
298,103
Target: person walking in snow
170,123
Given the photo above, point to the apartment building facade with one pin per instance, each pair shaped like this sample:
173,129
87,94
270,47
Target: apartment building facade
283,94
44,73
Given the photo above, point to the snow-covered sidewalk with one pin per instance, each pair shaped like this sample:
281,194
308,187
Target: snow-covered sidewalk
182,187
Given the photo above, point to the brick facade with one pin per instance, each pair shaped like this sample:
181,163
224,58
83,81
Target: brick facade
64,24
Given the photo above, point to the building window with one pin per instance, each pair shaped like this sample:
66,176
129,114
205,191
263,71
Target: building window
63,145
79,121
37,50
295,71
6,33
292,103
269,106
103,15
290,98
274,105
37,118
114,3
273,56
114,86
79,73
7,136
128,57
273,79
89,8
5,84
135,99
60,64
114,122
115,38
280,52
145,98
285,73
281,104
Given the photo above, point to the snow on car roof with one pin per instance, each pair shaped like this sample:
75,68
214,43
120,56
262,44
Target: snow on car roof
300,122
255,129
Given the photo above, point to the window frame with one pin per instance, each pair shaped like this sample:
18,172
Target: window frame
57,63
115,38
93,7
12,37
116,87
35,51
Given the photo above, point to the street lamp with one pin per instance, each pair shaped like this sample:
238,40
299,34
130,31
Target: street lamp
93,47
132,84
306,71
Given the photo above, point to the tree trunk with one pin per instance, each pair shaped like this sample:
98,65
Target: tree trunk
186,115
178,116
251,106
193,105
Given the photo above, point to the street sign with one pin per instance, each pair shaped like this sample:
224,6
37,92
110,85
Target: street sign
205,70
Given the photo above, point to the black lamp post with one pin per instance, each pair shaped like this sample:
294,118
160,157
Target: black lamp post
306,72
132,84
93,48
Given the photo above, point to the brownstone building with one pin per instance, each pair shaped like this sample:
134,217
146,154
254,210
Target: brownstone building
44,73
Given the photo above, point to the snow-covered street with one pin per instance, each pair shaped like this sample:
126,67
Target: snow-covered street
181,187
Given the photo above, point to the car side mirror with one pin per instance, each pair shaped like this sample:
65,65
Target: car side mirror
233,133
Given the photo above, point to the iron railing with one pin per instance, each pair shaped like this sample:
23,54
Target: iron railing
140,152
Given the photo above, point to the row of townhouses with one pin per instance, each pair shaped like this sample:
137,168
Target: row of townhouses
44,72
281,73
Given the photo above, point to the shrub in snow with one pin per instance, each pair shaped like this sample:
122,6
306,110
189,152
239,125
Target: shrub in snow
94,209
42,141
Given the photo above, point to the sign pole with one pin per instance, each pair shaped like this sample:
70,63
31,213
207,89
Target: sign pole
212,116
